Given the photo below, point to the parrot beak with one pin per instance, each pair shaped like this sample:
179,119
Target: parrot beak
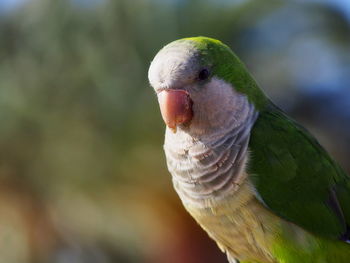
175,107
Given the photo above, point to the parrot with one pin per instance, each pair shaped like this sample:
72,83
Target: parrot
255,180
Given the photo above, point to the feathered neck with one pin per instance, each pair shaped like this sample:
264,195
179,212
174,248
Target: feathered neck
207,166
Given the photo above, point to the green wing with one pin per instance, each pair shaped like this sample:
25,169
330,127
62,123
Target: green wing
296,178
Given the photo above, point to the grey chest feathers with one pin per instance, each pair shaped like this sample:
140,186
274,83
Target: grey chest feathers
208,168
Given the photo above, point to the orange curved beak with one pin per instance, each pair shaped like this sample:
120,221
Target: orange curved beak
175,107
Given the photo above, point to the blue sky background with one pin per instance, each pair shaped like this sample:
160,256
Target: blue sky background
10,4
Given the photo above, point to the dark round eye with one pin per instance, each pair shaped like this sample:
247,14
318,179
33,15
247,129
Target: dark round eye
203,74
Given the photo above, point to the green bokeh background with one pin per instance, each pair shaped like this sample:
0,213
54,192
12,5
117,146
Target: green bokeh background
82,172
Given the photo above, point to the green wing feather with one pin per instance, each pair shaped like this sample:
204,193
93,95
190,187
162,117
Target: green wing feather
296,178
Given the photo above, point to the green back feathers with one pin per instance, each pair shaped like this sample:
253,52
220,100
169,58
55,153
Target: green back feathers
296,178
224,64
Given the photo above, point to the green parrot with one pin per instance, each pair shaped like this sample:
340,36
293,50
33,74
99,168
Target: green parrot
256,181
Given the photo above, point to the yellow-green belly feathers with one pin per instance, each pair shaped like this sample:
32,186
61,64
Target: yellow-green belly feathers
240,225
246,230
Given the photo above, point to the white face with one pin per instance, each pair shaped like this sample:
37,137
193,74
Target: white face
216,104
174,67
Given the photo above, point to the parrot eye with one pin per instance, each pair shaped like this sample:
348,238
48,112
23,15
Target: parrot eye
203,74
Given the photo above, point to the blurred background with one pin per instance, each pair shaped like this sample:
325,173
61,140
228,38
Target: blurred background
82,172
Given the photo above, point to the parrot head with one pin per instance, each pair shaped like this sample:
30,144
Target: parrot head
201,84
